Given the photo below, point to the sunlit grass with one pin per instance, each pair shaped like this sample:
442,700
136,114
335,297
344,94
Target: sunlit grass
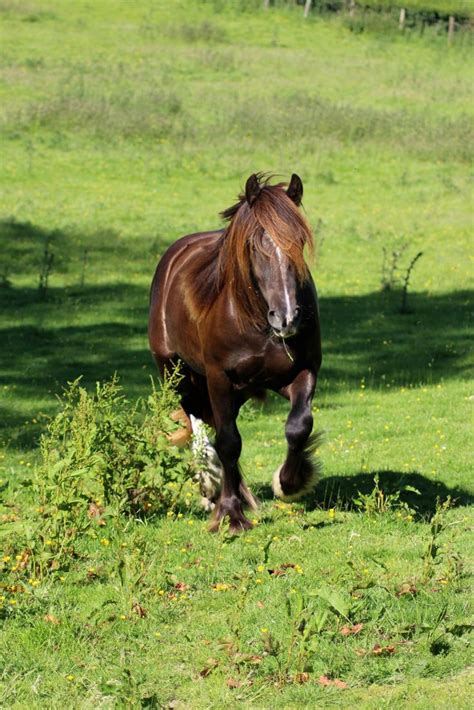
124,127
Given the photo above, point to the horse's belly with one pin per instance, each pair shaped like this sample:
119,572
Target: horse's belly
185,341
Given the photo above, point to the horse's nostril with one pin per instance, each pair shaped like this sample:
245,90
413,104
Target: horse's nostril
271,314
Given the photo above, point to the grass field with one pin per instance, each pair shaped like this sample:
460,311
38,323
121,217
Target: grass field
125,125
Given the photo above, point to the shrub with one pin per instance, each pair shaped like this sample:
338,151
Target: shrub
102,456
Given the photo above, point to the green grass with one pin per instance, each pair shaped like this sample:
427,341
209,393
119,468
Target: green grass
126,125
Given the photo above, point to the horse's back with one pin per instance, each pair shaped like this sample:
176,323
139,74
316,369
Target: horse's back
176,256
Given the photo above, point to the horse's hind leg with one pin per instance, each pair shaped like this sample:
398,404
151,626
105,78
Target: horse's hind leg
299,472
181,436
196,405
209,473
166,366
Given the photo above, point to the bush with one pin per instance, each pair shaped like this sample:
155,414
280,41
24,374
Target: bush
103,457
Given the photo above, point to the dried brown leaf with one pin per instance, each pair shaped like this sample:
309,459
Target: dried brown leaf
276,572
379,650
228,646
211,664
351,630
335,682
25,556
94,510
181,586
139,610
301,678
251,658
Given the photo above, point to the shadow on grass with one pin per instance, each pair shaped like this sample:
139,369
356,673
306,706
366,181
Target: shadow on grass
368,336
420,493
99,329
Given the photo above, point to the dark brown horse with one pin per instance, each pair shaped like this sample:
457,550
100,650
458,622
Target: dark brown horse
238,309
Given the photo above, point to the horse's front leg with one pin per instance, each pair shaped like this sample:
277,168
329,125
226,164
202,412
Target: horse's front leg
299,472
228,445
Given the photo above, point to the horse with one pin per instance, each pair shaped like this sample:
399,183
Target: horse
237,309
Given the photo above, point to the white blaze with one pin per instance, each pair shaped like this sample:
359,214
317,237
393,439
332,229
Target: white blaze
289,313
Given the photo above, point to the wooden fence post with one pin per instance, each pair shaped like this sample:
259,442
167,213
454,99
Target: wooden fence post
451,24
401,22
351,8
307,7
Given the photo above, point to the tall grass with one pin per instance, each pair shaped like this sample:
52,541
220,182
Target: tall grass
132,102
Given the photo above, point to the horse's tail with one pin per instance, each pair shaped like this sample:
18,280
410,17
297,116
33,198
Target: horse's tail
247,496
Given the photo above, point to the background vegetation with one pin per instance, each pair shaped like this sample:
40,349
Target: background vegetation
123,126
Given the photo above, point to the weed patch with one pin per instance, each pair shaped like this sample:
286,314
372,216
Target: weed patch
102,460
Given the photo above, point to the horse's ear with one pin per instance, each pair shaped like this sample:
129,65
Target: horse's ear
295,189
252,189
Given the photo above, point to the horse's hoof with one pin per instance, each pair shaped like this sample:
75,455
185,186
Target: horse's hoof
236,526
239,526
214,526
276,485
309,484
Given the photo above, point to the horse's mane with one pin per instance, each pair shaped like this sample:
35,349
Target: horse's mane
227,263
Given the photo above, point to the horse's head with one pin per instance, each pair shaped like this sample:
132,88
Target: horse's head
261,257
277,280
274,268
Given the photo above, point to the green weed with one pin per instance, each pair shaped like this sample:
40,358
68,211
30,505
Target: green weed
101,459
377,501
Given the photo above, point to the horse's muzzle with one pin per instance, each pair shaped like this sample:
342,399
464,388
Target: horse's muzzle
284,325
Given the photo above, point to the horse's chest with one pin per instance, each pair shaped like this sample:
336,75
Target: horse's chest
273,368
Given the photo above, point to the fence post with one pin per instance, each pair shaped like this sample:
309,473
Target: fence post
401,22
307,7
351,8
266,4
451,24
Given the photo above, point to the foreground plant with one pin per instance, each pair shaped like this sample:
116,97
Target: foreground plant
102,460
